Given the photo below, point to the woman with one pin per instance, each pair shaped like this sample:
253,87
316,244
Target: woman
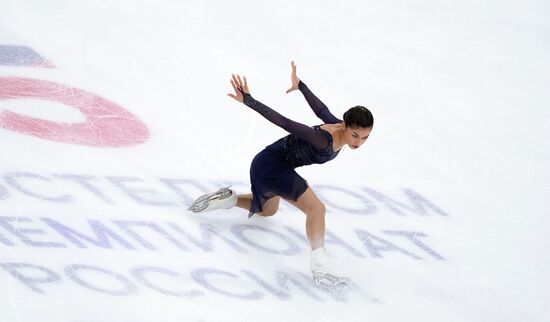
272,174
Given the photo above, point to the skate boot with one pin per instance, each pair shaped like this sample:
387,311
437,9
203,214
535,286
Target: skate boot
223,198
324,274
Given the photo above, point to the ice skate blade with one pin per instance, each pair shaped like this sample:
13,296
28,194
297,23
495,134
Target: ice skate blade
203,201
332,282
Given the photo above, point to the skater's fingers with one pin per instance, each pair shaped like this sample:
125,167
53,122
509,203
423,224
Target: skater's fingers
234,85
293,68
240,81
245,83
239,90
235,80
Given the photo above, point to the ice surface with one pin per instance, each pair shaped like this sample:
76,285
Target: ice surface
114,117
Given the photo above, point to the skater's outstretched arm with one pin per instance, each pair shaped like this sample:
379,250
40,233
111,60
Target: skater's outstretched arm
242,94
318,107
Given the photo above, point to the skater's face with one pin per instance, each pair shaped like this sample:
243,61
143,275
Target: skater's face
355,137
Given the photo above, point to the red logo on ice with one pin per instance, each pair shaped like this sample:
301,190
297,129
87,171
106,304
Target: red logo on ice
107,124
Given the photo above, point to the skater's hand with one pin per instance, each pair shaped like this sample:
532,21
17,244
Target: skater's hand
295,80
239,87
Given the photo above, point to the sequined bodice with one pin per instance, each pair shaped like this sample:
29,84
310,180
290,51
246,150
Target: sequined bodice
298,152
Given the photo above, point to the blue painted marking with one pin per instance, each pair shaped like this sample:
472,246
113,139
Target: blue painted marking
11,55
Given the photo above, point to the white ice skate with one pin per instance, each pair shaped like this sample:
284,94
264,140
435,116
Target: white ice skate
223,198
324,274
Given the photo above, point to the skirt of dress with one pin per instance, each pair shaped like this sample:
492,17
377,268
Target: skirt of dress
270,176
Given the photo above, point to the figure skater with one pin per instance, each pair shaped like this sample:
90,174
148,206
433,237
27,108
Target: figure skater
272,174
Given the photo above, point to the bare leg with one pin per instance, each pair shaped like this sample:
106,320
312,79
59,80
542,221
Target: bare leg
315,229
322,270
244,201
315,211
269,209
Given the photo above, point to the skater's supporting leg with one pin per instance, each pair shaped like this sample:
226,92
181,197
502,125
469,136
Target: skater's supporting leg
322,270
315,211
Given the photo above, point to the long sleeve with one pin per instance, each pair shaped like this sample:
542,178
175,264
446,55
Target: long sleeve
318,107
317,139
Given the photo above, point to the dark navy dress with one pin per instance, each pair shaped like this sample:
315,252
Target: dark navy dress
272,170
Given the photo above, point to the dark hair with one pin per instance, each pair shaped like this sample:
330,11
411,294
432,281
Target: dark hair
358,116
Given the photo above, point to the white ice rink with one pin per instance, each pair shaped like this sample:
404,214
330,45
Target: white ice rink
114,117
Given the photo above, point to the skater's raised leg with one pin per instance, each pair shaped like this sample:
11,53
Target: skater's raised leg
270,207
244,201
223,198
